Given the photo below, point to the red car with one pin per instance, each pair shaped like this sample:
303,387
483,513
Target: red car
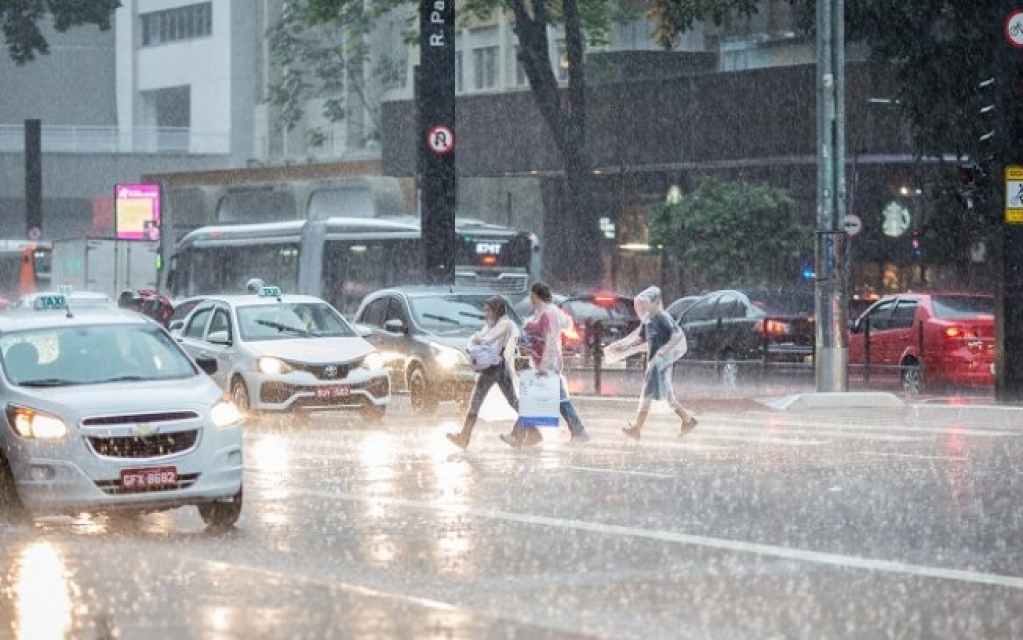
927,339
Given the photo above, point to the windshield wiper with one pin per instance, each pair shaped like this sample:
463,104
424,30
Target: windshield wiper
441,318
50,382
474,316
283,327
134,378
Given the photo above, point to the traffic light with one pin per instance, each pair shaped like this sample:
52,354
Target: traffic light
972,180
916,244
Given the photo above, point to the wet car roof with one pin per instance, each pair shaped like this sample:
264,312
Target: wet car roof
18,319
246,300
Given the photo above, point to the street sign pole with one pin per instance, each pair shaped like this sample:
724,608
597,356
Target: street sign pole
436,131
831,355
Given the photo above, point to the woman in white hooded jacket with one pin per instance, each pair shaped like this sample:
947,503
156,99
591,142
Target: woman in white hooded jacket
500,335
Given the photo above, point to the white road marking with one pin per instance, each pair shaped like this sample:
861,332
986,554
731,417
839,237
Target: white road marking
911,455
723,544
620,472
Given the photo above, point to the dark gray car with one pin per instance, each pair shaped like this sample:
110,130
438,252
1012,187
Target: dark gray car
423,333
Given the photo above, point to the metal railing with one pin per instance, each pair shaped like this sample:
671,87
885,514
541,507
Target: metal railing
113,139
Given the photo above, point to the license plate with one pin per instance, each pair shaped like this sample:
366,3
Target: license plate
146,479
334,391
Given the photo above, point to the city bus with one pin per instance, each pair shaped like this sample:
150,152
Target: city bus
342,259
24,269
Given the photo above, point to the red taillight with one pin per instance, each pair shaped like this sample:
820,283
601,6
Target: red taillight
489,260
572,335
960,333
604,300
773,327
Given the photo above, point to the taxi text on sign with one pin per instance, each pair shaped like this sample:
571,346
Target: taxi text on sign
1014,194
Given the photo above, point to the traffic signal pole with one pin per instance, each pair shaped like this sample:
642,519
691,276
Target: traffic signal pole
1008,175
831,357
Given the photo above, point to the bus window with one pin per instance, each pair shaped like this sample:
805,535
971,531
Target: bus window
41,260
353,269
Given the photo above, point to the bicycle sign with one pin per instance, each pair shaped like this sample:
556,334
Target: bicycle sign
1014,194
1014,29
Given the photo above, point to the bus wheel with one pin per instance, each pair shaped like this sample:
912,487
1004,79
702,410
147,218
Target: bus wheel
423,402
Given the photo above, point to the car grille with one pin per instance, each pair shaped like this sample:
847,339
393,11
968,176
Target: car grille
152,446
281,392
323,371
113,487
169,416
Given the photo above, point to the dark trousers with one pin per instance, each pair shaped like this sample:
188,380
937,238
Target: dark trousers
499,375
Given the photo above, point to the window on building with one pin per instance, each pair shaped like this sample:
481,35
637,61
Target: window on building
520,69
175,25
484,60
562,69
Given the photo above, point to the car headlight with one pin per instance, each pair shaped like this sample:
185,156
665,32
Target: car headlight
225,413
29,423
272,366
372,360
447,357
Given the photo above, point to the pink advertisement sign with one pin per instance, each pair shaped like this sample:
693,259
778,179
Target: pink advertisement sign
137,211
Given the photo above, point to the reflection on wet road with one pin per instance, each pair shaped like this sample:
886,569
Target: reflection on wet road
759,524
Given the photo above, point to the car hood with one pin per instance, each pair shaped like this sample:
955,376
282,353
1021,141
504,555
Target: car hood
198,393
313,350
460,342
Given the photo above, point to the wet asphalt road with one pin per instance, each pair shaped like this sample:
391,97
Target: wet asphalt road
759,524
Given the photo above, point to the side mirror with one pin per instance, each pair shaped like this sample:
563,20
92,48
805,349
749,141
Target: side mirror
394,325
854,326
219,337
207,364
176,325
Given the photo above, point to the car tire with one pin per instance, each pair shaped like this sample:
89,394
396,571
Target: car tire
11,507
240,396
729,373
911,377
424,402
373,413
223,515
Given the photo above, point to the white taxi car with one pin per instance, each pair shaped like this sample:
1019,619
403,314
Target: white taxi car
287,353
103,411
49,300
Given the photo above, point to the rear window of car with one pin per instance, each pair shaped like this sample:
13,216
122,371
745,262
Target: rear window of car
619,311
960,307
454,312
783,303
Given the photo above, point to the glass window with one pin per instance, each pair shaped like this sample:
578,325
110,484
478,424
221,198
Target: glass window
902,316
449,313
963,306
177,24
221,322
879,316
373,314
700,311
196,327
484,60
92,354
289,320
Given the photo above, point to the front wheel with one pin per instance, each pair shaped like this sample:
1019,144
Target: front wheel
221,515
423,401
240,396
912,378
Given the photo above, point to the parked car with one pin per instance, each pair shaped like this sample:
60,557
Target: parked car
287,353
927,340
106,413
423,333
676,308
734,327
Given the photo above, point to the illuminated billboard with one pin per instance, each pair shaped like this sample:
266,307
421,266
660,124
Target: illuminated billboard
137,211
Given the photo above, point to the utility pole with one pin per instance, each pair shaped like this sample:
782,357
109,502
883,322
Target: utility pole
435,99
831,358
33,179
1008,81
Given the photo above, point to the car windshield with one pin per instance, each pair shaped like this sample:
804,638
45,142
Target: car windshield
782,303
452,313
286,320
81,355
963,307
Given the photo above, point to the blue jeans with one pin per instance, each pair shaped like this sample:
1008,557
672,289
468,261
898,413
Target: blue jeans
499,375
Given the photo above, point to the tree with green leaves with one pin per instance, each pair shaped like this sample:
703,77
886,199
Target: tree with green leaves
576,233
20,21
729,234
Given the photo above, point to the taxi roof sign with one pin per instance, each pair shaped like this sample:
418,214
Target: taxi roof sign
269,292
50,301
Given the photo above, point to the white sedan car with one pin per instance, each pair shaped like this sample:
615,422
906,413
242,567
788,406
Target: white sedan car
287,353
103,412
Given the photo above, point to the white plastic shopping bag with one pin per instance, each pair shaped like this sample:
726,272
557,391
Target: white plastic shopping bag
539,399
